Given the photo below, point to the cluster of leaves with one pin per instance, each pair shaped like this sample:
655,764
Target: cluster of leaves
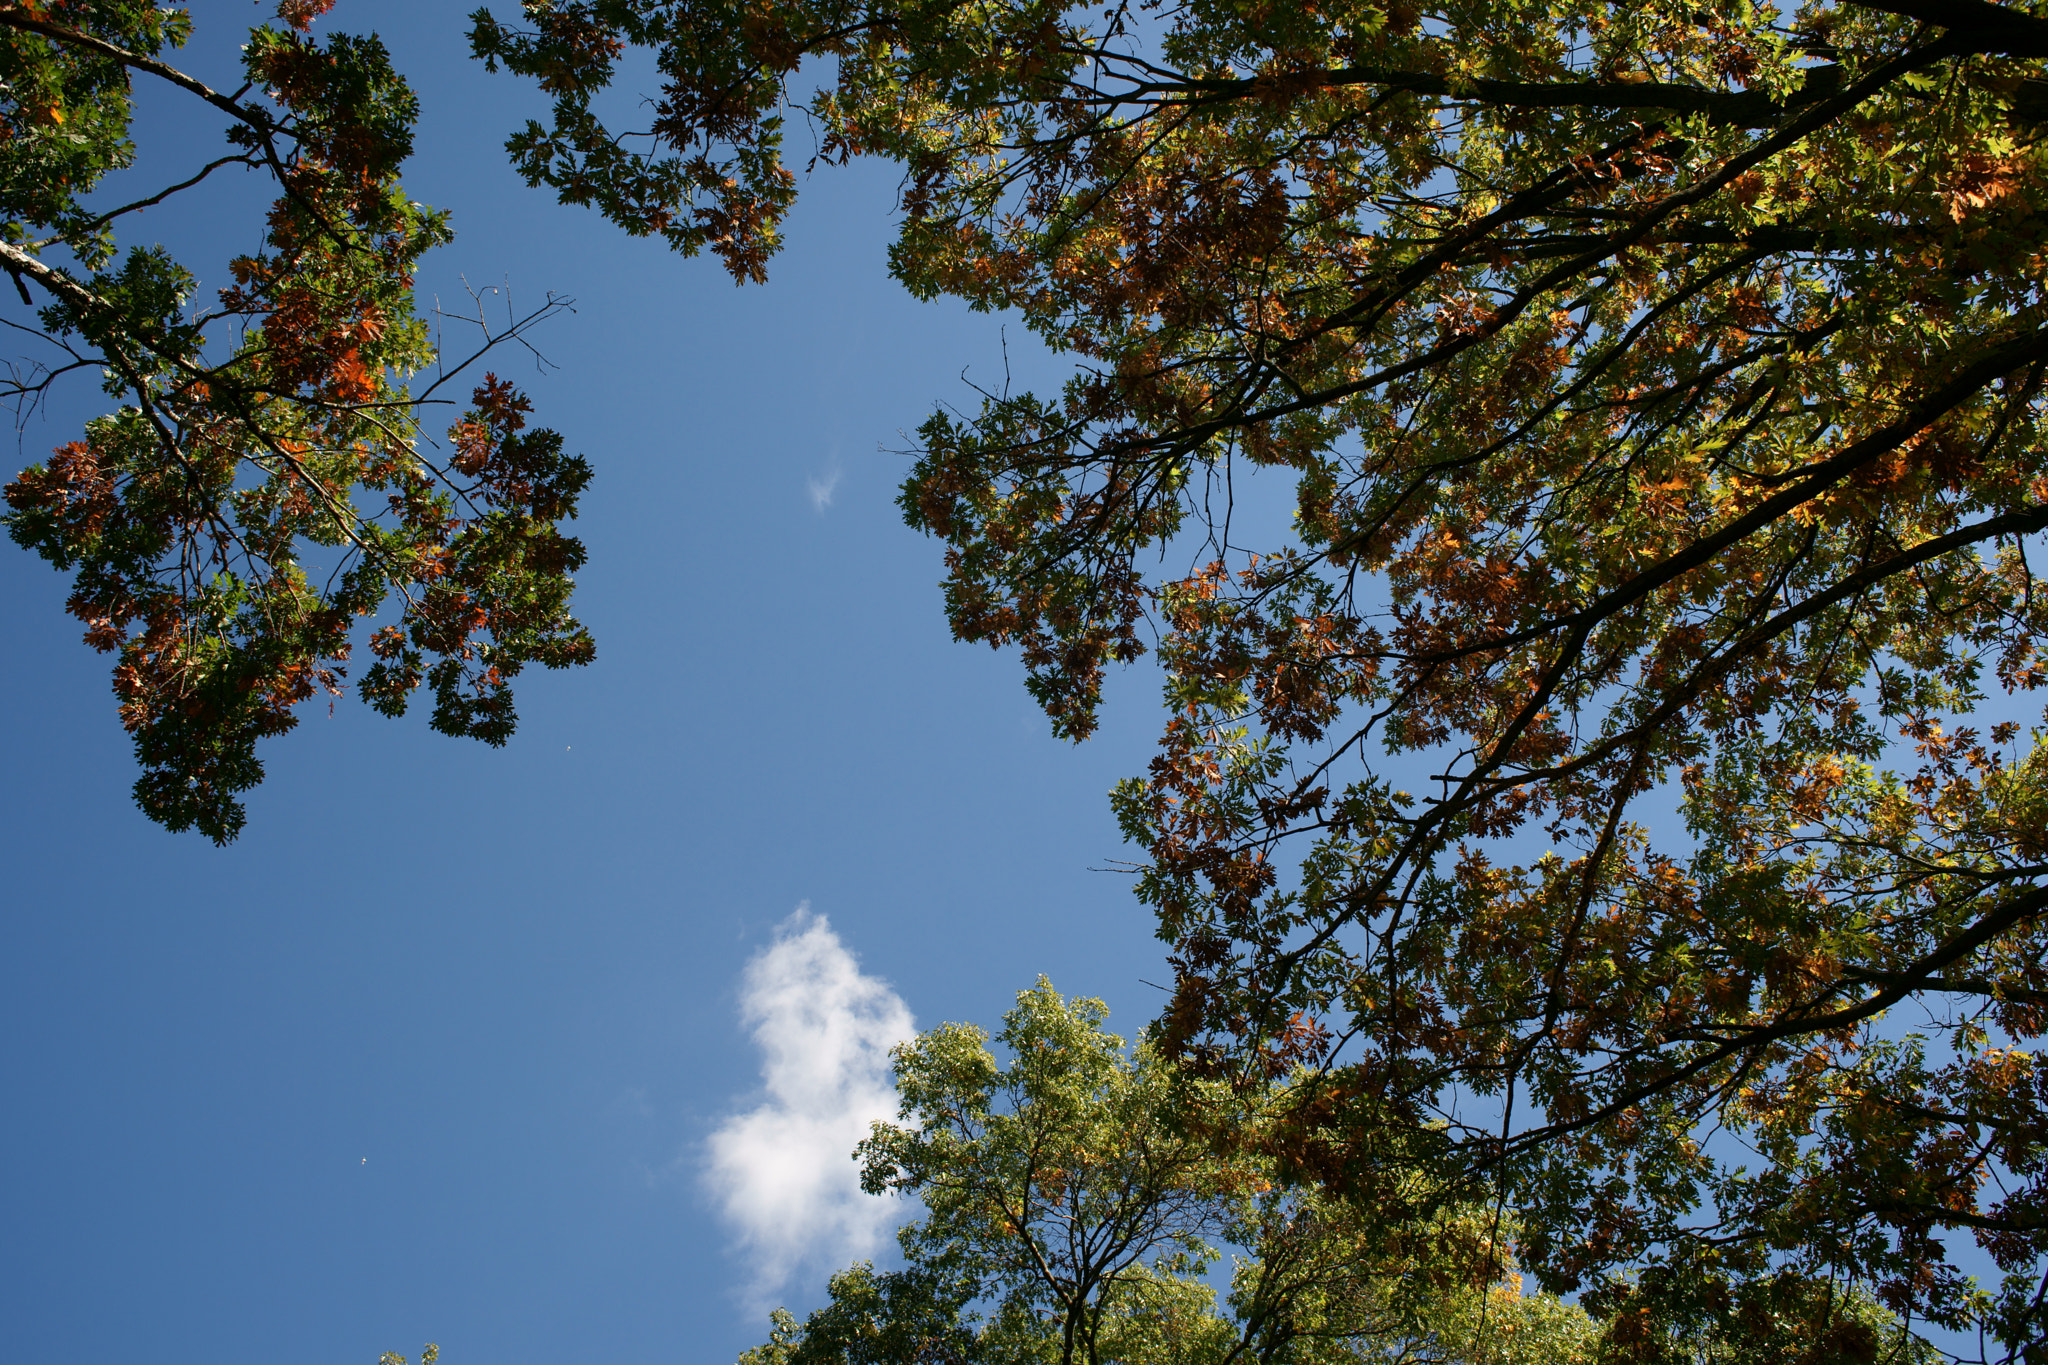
1660,389
252,497
1076,1198
713,176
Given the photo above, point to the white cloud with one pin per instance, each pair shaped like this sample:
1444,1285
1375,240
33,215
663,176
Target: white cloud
821,487
783,1172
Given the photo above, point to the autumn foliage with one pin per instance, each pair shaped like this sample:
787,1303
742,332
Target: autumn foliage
1620,780
264,485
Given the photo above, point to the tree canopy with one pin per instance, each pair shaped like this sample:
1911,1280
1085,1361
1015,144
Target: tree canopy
1072,1211
1077,1197
263,484
1615,780
1612,794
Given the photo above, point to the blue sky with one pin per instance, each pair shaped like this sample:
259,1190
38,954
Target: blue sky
434,1051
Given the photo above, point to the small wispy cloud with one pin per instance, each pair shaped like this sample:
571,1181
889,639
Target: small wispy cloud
783,1173
821,487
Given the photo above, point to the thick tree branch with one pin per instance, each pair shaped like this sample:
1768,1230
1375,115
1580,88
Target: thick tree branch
1736,108
1982,26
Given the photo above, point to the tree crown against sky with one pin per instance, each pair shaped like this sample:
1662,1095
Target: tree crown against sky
1071,1214
1658,388
264,482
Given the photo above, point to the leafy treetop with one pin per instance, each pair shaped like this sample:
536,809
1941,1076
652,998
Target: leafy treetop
1076,1197
263,482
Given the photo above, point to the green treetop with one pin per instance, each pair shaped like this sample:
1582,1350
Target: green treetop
1076,1198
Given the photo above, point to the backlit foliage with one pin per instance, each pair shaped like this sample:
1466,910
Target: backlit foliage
1620,782
263,484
